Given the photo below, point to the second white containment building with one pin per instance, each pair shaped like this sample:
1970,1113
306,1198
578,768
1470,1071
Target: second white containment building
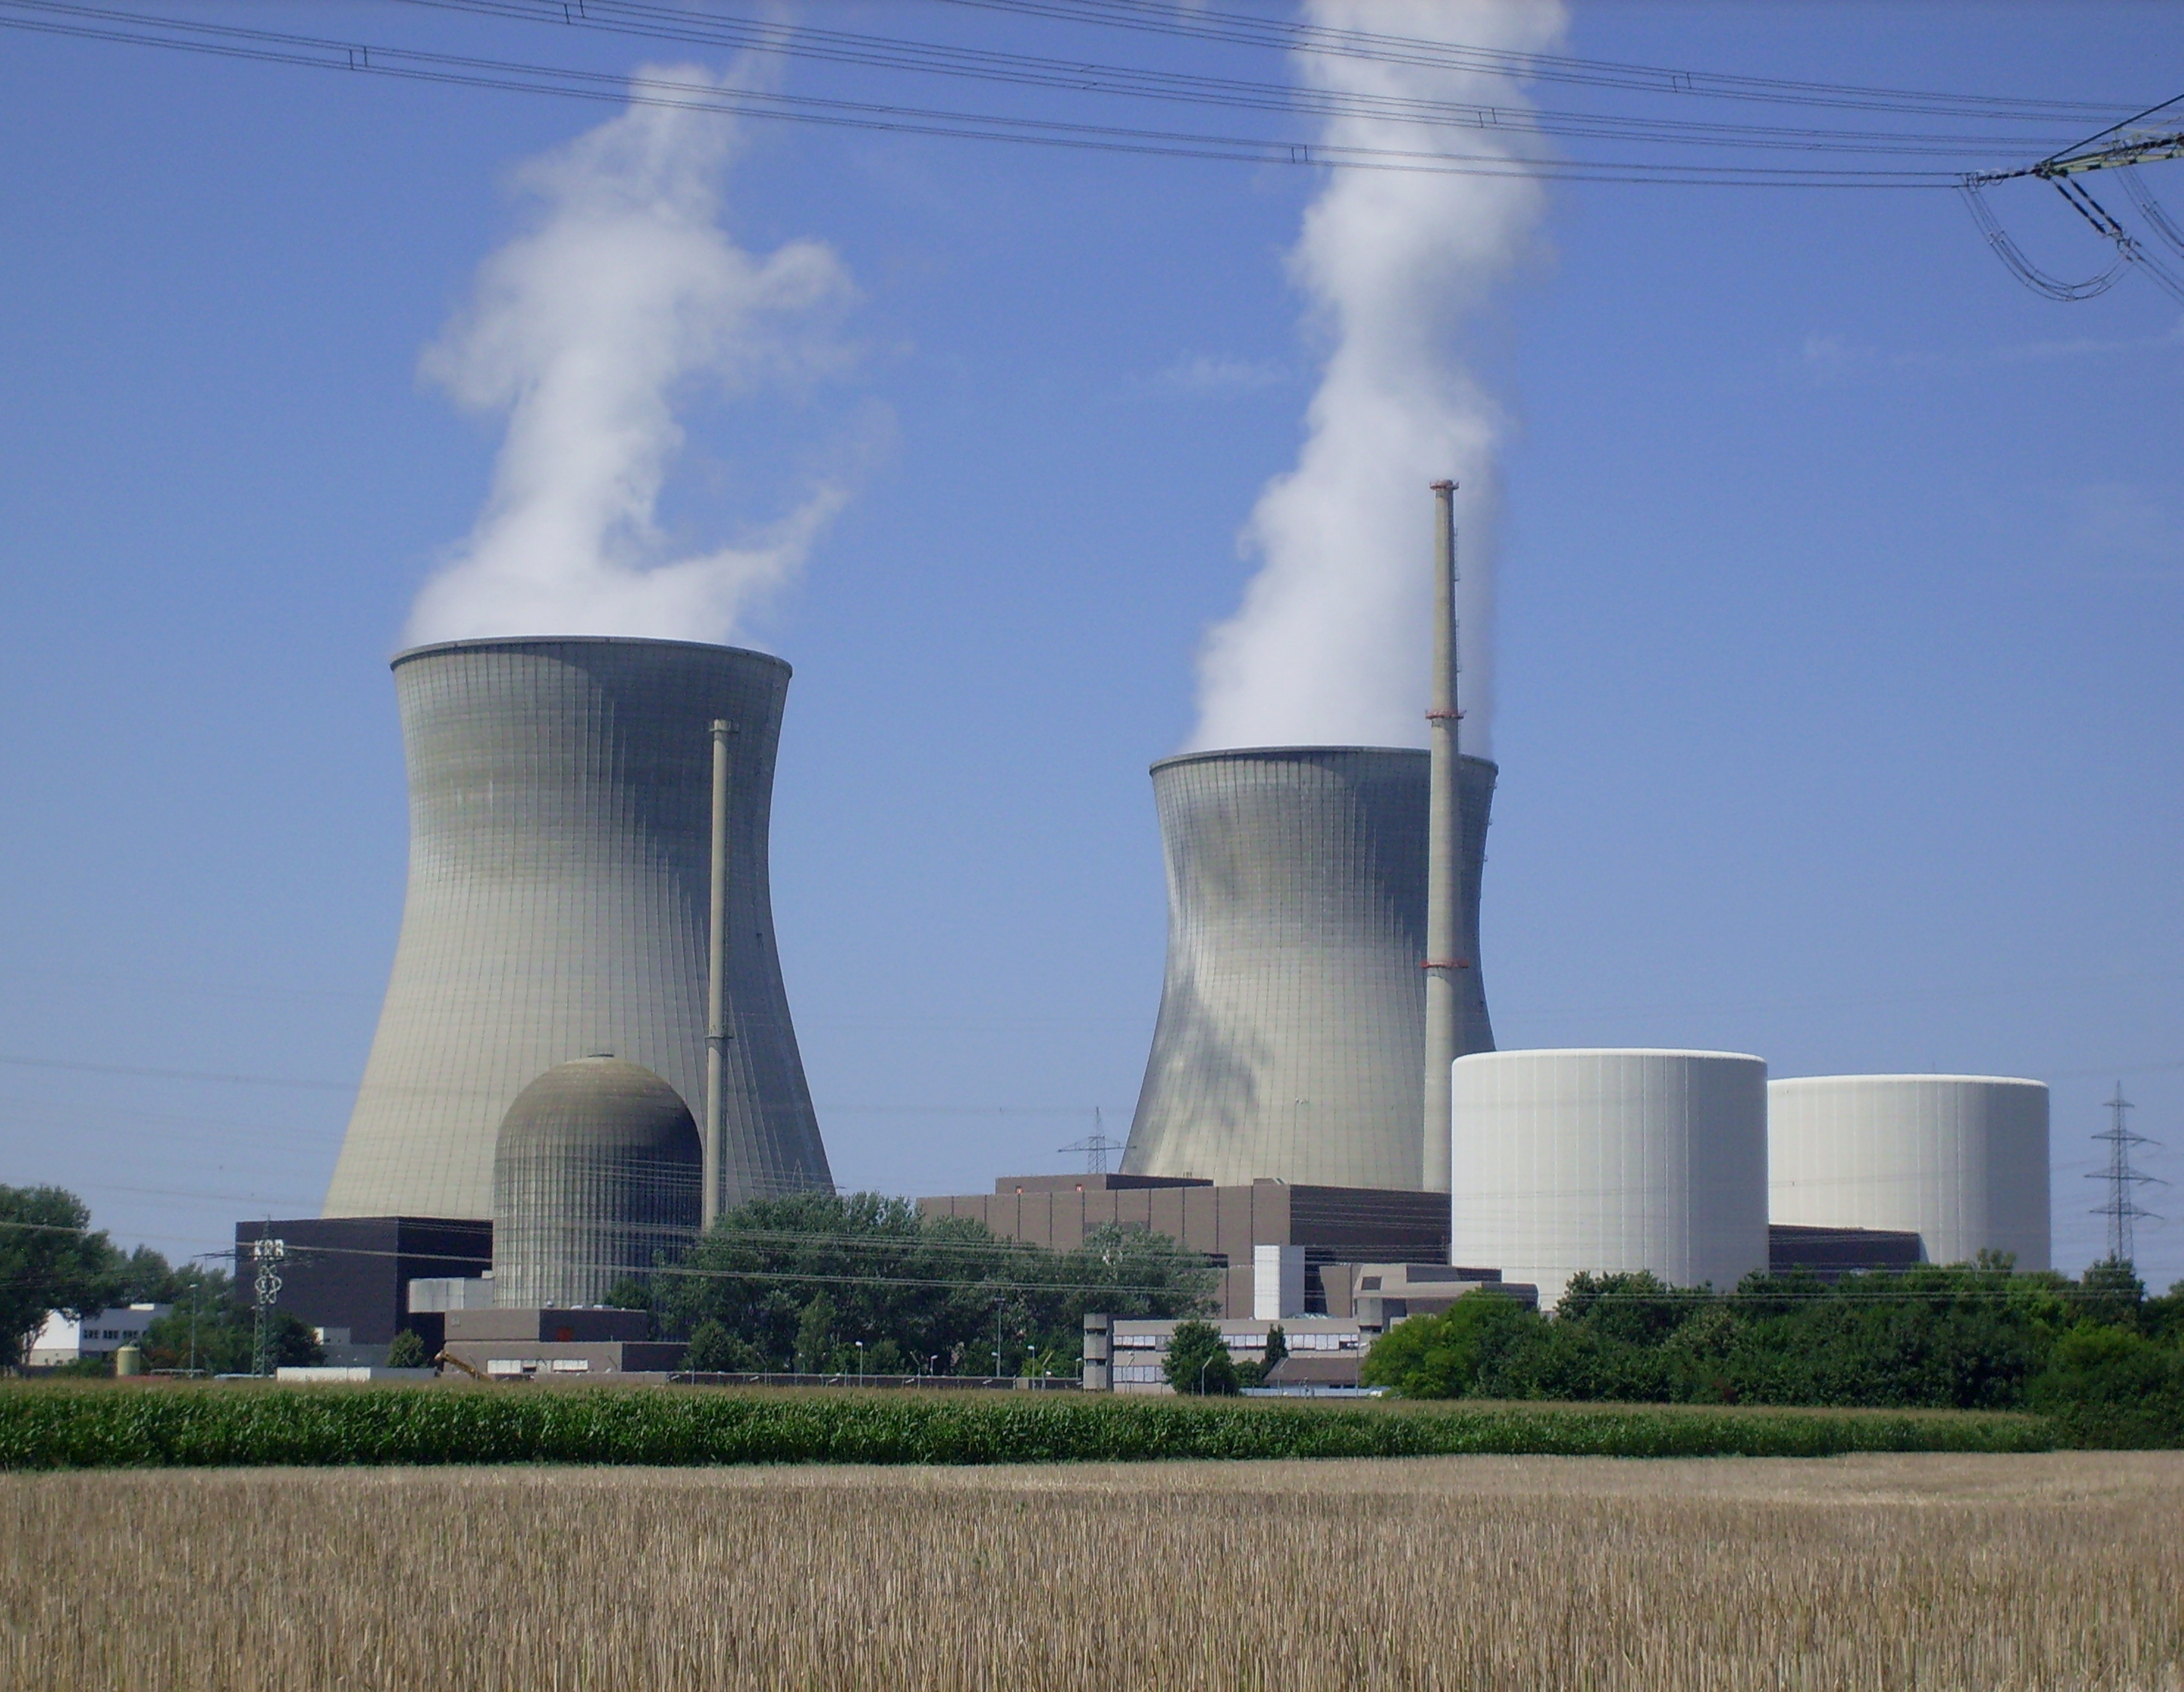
1610,1161
1961,1161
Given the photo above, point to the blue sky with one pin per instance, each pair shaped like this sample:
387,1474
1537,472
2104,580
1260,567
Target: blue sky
1838,696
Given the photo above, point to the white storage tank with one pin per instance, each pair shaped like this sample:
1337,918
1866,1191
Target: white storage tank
1614,1160
1961,1161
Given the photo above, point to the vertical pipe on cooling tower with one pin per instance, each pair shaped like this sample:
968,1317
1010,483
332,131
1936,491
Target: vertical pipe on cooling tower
716,983
1444,850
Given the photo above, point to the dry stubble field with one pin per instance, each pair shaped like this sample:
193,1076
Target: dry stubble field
2060,1571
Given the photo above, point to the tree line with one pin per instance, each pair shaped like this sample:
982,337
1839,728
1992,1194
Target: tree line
827,1283
51,1259
2095,1352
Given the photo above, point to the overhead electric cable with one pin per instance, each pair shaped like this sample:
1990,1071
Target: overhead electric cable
2120,146
692,27
1164,17
56,17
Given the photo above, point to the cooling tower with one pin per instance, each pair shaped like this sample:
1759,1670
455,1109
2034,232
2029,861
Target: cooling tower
595,1176
1961,1161
560,828
1562,1162
1291,1038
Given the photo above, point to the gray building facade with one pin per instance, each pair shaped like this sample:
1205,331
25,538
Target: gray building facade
1292,1037
1331,1224
559,829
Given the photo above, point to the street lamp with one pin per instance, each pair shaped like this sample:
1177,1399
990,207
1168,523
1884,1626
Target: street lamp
861,1362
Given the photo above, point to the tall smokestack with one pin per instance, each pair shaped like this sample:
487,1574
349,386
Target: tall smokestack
716,982
1445,1029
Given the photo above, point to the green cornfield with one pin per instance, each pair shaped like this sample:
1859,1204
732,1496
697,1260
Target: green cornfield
157,1426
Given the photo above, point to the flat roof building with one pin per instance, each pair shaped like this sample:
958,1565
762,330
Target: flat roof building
1332,1224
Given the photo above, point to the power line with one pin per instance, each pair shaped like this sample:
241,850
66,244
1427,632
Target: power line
58,18
1163,17
2120,146
690,27
2121,1207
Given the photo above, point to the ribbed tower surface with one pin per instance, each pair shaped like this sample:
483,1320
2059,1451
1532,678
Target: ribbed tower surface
1291,1038
559,829
596,1176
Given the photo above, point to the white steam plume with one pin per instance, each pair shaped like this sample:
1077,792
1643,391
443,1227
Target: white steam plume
1331,645
585,330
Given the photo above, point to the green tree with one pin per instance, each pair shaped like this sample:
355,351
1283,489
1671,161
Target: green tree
145,1277
926,1286
2108,1386
1449,1355
408,1351
210,1330
814,1335
50,1260
2163,1318
2111,1293
1198,1360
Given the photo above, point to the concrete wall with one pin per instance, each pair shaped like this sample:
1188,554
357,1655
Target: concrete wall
559,838
1291,1038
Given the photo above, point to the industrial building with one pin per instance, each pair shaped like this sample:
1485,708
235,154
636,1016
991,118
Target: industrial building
96,1334
1326,1344
1327,1224
548,1345
1291,1038
558,906
596,1177
1958,1161
1322,1352
1611,1160
349,1276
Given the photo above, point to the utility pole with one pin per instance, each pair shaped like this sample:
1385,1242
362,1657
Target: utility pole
1444,961
716,986
2132,142
1096,1146
266,1255
2121,1207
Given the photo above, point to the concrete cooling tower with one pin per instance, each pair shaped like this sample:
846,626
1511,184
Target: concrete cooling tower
560,834
1961,1161
595,1176
1291,1038
1610,1161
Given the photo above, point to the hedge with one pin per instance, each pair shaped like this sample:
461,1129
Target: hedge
117,1425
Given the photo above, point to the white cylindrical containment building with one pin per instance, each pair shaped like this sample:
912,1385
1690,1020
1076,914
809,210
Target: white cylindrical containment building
595,1176
1961,1161
1610,1162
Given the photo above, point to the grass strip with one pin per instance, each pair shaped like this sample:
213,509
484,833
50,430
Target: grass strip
80,1427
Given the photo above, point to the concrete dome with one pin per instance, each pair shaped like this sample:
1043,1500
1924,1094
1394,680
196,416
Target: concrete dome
596,1175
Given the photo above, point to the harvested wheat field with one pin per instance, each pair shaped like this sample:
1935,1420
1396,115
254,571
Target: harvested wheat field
2060,1571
